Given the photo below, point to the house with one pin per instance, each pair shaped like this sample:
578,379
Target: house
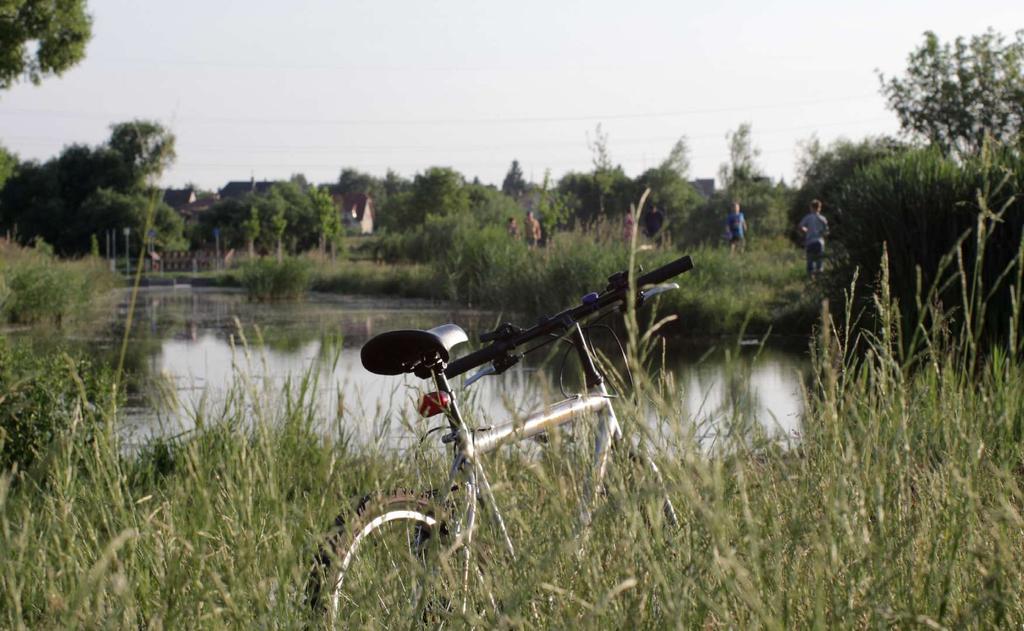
178,198
356,211
241,188
192,212
704,186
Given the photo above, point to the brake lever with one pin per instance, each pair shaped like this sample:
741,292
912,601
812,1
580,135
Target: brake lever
647,294
480,374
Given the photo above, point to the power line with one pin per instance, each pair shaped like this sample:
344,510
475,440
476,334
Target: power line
370,149
512,120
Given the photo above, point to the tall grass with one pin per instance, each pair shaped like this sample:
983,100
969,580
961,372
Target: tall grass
759,290
899,505
414,280
37,287
265,279
949,227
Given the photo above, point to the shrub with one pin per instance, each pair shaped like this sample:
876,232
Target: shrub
42,396
923,208
35,287
266,279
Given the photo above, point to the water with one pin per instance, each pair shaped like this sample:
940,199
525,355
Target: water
190,345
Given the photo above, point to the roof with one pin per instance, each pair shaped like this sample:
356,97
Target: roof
704,186
238,188
198,207
178,198
353,205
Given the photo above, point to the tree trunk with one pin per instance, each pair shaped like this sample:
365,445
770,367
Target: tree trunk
280,253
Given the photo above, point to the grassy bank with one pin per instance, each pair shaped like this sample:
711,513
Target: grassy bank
763,288
37,287
900,505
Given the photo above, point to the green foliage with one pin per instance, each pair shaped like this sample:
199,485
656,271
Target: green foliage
89,190
671,190
38,288
285,199
415,280
514,185
327,215
40,38
8,164
922,207
824,171
251,228
895,506
44,397
764,204
354,181
145,146
957,96
267,280
553,208
742,167
106,209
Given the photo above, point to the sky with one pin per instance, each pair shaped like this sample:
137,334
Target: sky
264,90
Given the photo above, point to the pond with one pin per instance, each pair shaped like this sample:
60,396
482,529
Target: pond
190,346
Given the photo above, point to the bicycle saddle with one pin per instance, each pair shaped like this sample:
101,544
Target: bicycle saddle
397,352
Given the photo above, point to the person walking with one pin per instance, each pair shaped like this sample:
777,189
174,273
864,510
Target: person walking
513,228
532,230
736,228
814,227
628,226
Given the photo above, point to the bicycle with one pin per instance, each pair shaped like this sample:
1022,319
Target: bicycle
360,553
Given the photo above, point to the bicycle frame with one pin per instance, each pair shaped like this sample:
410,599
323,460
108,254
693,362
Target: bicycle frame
470,444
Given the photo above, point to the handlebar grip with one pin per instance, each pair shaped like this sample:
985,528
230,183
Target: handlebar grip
665,272
471,361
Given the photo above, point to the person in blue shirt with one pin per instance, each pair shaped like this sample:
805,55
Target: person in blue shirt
736,228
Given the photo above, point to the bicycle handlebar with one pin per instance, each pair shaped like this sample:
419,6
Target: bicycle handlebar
562,321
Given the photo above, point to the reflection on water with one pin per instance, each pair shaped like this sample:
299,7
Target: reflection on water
195,343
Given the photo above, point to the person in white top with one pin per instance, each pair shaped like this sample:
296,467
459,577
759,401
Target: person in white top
814,227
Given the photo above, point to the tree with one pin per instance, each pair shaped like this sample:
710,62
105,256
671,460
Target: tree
438,191
604,176
355,181
824,171
742,167
146,147
8,163
678,159
954,96
330,221
60,200
553,208
113,210
279,223
251,230
670,188
514,185
40,38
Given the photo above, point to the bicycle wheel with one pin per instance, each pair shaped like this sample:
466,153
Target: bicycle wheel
388,567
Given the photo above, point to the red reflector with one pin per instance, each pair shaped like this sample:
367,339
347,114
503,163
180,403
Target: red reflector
434,403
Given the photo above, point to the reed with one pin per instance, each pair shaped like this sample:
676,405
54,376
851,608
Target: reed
898,504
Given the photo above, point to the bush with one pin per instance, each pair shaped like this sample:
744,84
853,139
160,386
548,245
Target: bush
266,279
921,207
35,287
42,396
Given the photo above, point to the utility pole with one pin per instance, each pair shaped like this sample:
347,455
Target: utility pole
127,251
216,237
